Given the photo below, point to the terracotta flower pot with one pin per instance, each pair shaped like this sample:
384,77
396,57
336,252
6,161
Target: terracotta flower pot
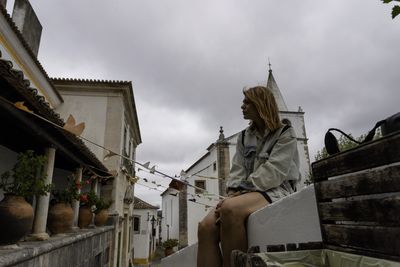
85,216
16,218
60,218
168,251
100,218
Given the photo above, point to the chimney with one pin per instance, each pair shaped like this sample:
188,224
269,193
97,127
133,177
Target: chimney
28,24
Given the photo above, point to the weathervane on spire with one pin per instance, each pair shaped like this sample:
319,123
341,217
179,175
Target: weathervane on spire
269,65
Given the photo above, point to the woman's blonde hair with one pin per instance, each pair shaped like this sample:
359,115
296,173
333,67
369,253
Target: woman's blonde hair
265,103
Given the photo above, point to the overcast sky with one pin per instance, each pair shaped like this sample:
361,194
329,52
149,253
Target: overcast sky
189,60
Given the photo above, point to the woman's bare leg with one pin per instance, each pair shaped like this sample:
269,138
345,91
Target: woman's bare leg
234,212
208,251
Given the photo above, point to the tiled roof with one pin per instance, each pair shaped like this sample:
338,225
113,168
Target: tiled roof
26,46
89,81
42,108
143,205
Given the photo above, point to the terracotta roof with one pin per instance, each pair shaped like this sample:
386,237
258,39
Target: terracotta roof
27,47
37,103
143,205
90,81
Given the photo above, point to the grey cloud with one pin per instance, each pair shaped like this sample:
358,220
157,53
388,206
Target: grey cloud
336,59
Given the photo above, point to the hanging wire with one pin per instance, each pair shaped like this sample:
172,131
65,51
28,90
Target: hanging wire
153,188
98,145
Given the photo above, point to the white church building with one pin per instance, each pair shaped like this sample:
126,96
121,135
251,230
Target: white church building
185,209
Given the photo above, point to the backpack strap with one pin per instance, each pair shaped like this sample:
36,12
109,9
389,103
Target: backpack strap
243,132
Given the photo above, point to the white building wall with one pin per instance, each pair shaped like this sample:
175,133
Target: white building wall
170,214
103,110
142,239
91,110
197,210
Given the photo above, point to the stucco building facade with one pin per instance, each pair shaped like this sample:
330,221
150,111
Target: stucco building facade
109,111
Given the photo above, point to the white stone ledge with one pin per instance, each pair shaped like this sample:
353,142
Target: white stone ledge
30,249
293,219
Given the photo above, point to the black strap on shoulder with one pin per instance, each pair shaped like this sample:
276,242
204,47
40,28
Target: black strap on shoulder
285,128
243,132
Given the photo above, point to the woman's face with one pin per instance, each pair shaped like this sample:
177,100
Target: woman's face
249,110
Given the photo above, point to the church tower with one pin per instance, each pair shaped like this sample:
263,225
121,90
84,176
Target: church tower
296,120
271,84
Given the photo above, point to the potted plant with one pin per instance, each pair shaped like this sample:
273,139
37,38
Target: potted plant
101,212
169,245
88,201
26,180
61,214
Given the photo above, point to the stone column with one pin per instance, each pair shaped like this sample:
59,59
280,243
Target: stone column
223,161
94,188
75,203
42,204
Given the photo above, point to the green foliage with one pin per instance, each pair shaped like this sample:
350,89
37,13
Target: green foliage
101,205
395,11
28,176
344,144
67,194
88,198
170,243
396,8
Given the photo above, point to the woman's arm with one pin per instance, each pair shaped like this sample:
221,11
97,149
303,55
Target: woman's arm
237,172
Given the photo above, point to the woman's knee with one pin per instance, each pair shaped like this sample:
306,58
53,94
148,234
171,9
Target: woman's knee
231,212
208,230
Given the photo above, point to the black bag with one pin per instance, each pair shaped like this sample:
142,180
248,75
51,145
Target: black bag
388,125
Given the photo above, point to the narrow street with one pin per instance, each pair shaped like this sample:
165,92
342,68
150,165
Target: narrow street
156,262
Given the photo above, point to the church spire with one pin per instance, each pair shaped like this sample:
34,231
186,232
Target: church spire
271,84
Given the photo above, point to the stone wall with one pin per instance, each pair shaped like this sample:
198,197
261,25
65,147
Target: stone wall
89,247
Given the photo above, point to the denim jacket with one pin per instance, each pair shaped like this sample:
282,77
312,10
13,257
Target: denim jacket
266,162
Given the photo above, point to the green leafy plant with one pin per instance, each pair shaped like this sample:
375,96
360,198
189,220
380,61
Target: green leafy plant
88,198
69,193
170,243
395,9
101,204
27,178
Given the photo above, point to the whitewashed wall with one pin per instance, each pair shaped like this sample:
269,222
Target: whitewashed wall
197,210
92,111
170,214
141,240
